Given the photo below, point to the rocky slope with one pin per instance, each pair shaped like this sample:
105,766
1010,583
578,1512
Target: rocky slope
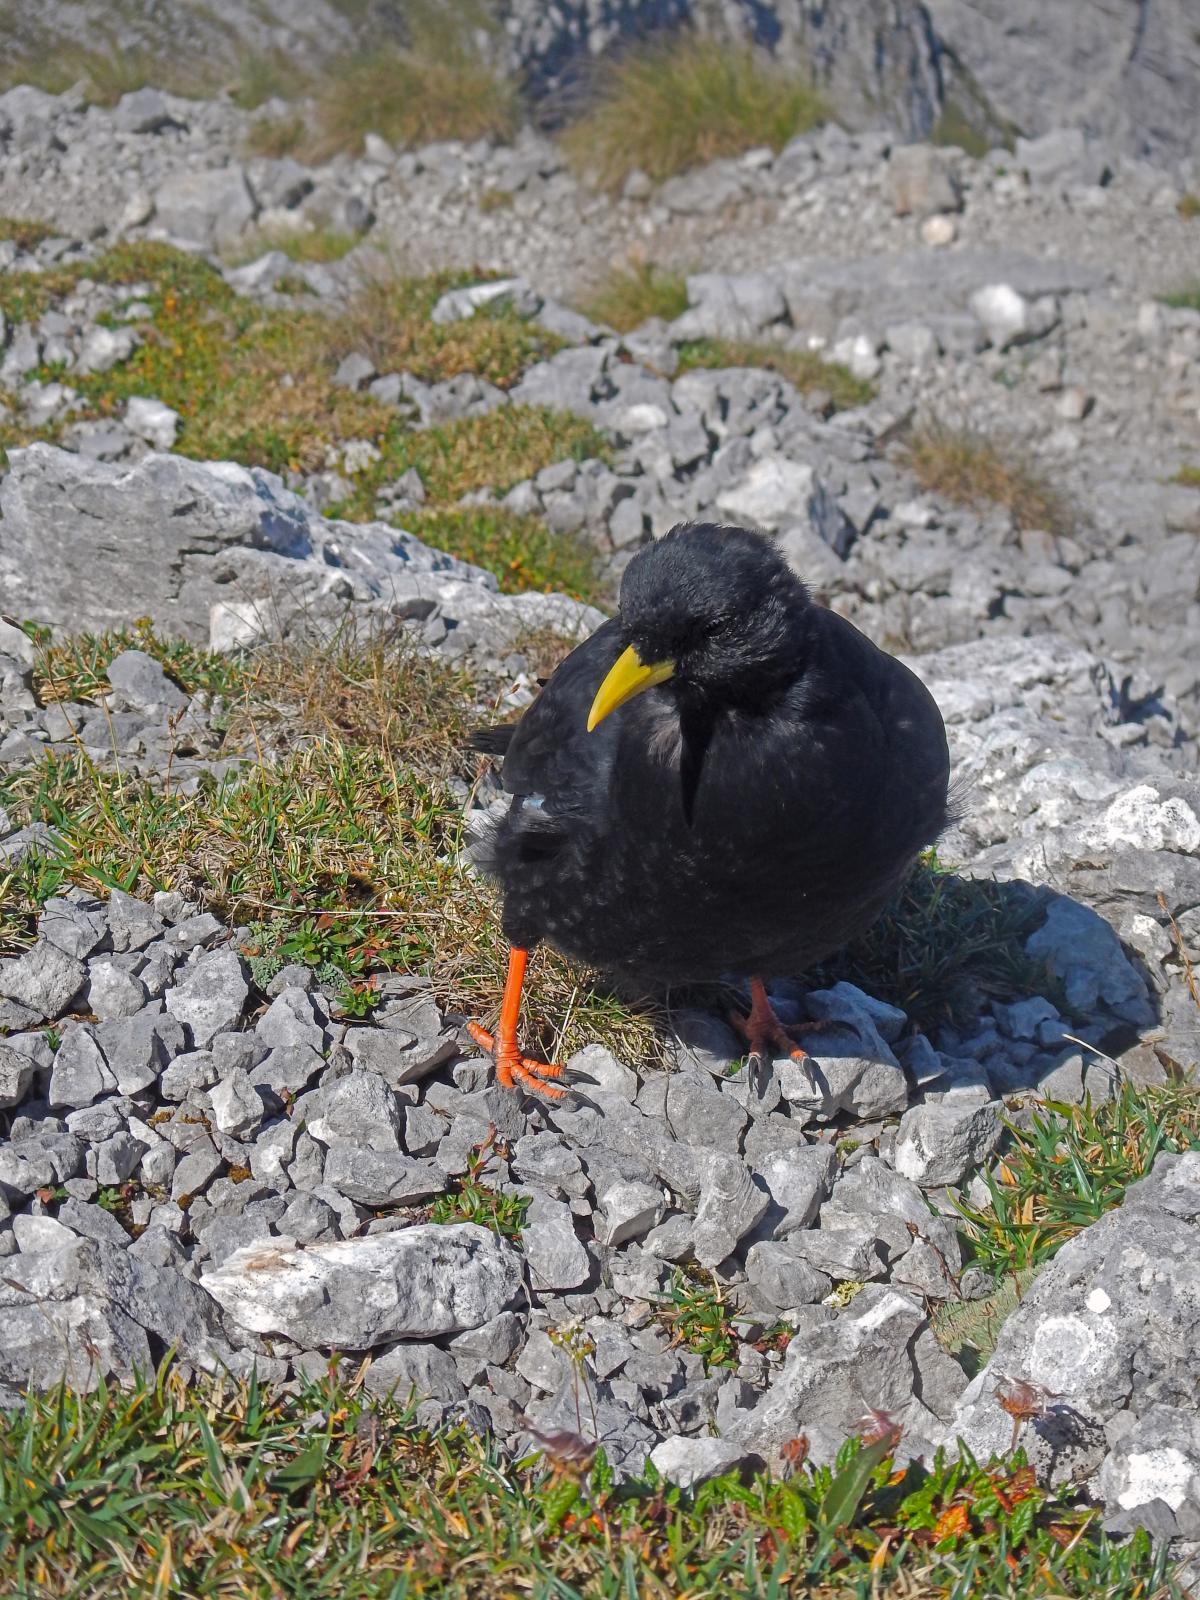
274,1157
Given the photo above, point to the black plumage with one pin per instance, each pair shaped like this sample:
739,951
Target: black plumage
745,817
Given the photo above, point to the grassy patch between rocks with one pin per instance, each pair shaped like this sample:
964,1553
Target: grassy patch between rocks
628,296
974,471
666,108
110,71
1070,1166
804,369
944,943
1188,476
300,244
74,668
201,1489
520,550
256,385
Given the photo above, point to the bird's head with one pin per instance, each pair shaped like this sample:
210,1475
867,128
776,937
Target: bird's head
716,611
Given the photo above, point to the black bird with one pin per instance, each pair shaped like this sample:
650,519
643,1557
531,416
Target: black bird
726,780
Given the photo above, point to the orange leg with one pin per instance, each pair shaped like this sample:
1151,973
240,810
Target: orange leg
762,1029
511,1065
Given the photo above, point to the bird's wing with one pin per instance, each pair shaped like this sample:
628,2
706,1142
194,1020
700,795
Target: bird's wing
550,753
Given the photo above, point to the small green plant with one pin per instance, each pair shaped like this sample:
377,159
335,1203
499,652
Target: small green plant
804,369
359,1000
53,1037
492,200
630,295
1070,1166
1188,476
666,108
1189,206
109,1200
697,1318
971,470
474,1201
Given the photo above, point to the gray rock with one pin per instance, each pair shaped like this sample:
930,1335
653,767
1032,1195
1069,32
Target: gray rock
838,1365
783,1278
143,684
627,1211
921,181
382,1177
689,1462
798,1181
80,1075
113,992
38,1161
359,1110
34,1233
211,996
44,979
236,1105
205,208
422,1371
557,1258
1156,1460
132,924
730,1205
137,1048
291,1019
940,1142
418,1283
1080,948
1105,1332
844,1246
152,421
16,1075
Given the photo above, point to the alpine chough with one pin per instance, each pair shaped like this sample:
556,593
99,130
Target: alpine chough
726,780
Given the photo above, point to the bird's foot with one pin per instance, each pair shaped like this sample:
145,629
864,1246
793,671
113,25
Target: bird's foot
768,1038
512,1067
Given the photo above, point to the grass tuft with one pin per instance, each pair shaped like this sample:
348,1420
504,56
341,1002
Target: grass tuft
183,1488
945,942
971,470
630,295
26,235
1070,1166
276,137
804,369
1185,298
438,87
74,668
1188,476
671,107
1189,206
473,1200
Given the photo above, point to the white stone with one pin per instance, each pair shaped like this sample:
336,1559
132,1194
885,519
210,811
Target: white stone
153,421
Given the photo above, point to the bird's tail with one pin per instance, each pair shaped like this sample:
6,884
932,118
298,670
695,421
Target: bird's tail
492,741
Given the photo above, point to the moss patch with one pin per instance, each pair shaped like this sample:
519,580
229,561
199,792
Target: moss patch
804,369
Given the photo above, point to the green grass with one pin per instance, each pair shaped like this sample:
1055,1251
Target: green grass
193,1491
697,1318
666,108
805,369
945,943
340,842
630,295
968,1329
299,244
255,385
1189,206
1188,476
1185,298
972,470
1072,1165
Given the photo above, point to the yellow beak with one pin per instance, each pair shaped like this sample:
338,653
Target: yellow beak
628,676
